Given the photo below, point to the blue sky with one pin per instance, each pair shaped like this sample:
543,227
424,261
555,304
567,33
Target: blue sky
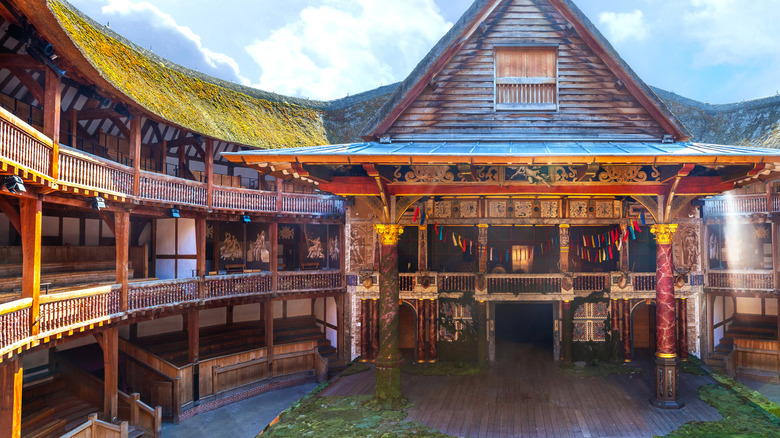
716,51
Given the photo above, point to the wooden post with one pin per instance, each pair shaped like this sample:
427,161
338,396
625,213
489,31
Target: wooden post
481,321
563,236
193,350
229,315
52,107
122,238
339,325
775,255
374,329
279,183
109,341
273,236
164,155
209,165
135,152
30,212
420,331
365,333
682,328
11,373
482,239
626,330
74,127
200,250
568,330
422,248
433,316
268,318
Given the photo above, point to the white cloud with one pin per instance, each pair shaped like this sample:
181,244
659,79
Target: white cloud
734,31
624,26
181,44
347,46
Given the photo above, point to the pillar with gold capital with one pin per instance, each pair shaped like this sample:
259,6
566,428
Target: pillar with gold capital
388,361
563,236
667,394
482,239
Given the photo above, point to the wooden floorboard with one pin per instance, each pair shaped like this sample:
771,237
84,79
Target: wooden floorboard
522,395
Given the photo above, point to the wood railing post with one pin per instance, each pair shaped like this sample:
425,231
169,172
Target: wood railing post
11,397
279,183
775,254
31,216
274,239
109,341
193,350
135,152
268,319
134,399
209,165
200,249
51,117
122,238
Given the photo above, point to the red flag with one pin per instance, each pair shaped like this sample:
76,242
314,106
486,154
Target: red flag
436,227
625,233
416,212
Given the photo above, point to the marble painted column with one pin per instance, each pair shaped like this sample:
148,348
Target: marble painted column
433,317
480,309
568,330
388,362
682,328
626,330
614,315
667,394
420,307
374,329
422,248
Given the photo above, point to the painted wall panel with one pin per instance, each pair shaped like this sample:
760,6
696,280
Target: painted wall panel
246,312
50,226
5,226
186,268
748,305
210,317
187,236
159,326
70,231
298,308
278,309
166,269
91,232
166,229
771,306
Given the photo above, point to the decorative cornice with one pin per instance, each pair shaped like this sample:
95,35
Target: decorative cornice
389,233
663,233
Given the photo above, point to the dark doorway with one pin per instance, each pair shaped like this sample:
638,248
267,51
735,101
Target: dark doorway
407,321
643,330
523,323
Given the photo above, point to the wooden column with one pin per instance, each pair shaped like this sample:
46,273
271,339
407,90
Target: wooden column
164,154
229,315
200,250
52,108
193,350
482,239
273,237
667,393
11,397
563,236
420,353
433,316
568,330
30,212
209,164
268,318
481,321
109,342
122,238
626,330
422,248
74,127
614,315
339,325
135,153
775,254
365,329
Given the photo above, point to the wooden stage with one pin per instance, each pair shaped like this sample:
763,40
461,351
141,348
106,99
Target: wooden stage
521,395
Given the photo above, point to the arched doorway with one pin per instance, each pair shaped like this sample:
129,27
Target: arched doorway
407,326
643,329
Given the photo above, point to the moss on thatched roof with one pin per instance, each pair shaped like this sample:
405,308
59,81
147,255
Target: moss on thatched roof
195,102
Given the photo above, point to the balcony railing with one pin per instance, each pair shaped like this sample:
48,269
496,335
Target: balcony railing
26,149
585,282
224,286
456,282
524,283
643,281
735,204
746,280
309,280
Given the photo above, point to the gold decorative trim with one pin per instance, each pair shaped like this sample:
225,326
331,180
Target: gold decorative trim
663,233
389,233
666,355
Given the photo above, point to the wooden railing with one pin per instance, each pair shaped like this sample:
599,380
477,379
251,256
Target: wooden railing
15,322
643,282
591,282
221,286
734,204
523,283
456,282
309,280
97,428
177,191
243,199
23,146
72,309
406,282
141,414
159,293
758,280
83,170
312,204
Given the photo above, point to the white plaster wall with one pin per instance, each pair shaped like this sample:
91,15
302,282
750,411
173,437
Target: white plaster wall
278,309
5,225
748,305
159,326
186,268
70,231
165,236
145,238
92,232
771,306
717,310
332,316
246,312
166,269
730,310
319,306
106,231
50,226
210,317
332,336
187,245
298,308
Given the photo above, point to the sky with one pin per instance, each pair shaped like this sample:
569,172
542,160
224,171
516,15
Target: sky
716,51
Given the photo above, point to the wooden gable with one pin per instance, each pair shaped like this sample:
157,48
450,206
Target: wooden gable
462,102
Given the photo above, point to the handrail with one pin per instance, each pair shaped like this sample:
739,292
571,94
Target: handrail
142,414
91,172
94,427
736,204
177,191
24,146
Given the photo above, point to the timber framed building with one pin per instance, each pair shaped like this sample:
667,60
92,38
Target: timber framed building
171,243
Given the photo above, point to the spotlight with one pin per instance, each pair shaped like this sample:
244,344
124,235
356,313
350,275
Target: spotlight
122,110
246,219
14,184
175,212
98,203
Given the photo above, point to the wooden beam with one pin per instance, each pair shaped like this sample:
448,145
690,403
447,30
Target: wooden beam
109,220
11,213
122,127
11,374
31,214
180,141
193,335
209,167
383,192
200,251
122,239
19,61
109,341
31,84
52,111
96,113
684,171
268,318
134,138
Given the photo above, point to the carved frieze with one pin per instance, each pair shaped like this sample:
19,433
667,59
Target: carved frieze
524,208
578,208
549,208
443,209
621,174
497,208
430,174
603,208
469,208
685,247
360,256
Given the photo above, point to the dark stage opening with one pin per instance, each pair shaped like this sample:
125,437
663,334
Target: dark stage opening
524,323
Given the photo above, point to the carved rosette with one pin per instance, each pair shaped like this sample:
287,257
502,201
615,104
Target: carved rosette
663,233
389,233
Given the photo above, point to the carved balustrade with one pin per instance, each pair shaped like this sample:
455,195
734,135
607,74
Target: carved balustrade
643,282
586,282
87,171
76,308
735,204
754,280
23,146
309,280
176,191
524,283
312,204
15,321
406,282
159,293
456,282
222,286
244,199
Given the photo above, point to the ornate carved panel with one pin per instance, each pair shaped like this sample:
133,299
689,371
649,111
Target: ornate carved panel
524,208
497,207
443,209
621,174
685,247
603,208
360,241
469,208
549,208
578,208
431,174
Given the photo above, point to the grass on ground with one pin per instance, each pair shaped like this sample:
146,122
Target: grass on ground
355,367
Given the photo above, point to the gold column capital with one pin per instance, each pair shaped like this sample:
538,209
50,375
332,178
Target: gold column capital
482,225
389,233
663,233
564,225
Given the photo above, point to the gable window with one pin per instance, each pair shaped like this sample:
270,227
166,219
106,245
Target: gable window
526,78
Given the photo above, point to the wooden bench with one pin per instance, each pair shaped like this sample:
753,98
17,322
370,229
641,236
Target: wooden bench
63,279
16,269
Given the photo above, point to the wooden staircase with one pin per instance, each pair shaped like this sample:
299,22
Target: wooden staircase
50,408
